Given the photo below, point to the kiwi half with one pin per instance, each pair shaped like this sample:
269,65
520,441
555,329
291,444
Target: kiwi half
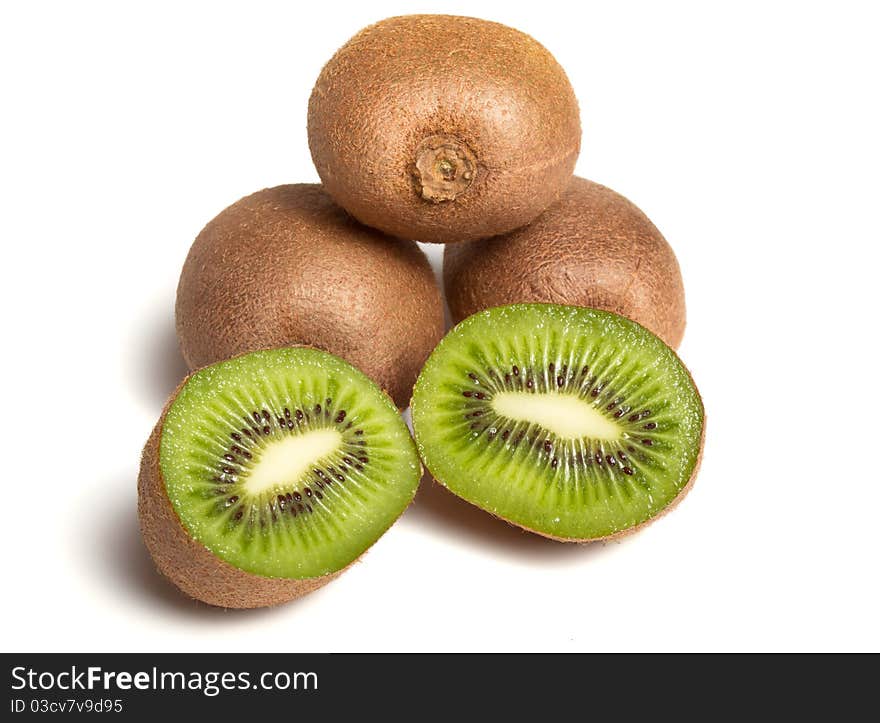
574,423
443,128
287,266
268,474
593,248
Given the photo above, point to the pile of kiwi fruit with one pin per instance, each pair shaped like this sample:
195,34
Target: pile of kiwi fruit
311,319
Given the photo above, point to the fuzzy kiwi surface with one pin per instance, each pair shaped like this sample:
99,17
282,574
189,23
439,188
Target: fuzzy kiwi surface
593,248
443,128
574,423
268,474
287,266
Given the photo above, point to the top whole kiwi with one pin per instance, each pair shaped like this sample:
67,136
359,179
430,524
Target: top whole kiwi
443,128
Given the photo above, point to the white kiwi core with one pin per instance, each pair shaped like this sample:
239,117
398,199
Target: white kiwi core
283,462
566,415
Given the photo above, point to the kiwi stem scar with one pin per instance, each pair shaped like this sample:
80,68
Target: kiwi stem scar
444,168
566,415
285,461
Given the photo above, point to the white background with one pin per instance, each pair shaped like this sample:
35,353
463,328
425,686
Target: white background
749,136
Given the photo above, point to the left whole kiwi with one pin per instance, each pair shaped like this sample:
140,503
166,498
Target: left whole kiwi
286,266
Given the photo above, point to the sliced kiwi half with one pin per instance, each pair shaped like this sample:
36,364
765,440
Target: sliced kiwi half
571,422
270,469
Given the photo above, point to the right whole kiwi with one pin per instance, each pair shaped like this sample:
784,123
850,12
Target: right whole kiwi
443,128
593,248
286,266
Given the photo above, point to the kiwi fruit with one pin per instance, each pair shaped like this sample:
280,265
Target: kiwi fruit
270,473
443,128
574,423
593,248
287,266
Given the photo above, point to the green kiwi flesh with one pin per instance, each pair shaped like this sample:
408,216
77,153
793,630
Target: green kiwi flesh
286,463
571,422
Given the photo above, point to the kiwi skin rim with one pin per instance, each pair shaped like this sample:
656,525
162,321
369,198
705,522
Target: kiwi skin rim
191,566
674,502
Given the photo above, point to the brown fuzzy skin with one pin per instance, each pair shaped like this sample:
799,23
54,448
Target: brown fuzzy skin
189,564
286,266
492,94
593,248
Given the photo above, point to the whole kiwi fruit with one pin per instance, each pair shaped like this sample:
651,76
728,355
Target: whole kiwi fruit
287,266
443,128
269,474
593,248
